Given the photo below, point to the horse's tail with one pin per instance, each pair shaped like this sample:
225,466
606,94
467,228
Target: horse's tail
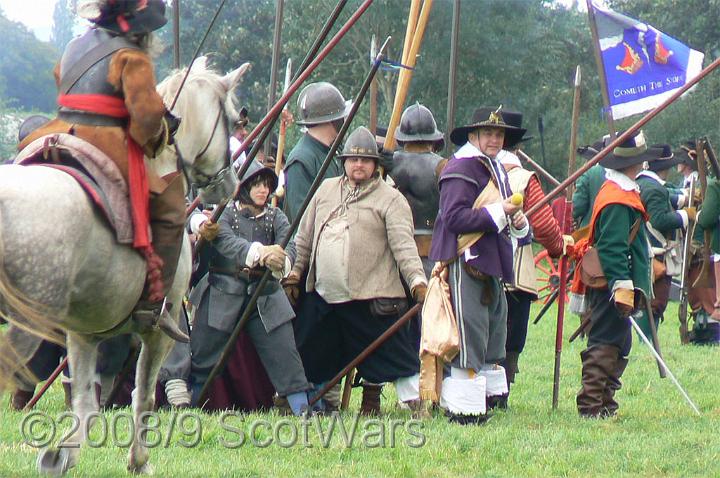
24,313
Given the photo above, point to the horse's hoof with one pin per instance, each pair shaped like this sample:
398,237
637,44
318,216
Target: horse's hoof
145,469
53,461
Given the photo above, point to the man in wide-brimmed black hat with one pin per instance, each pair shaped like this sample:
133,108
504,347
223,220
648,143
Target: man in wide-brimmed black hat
664,225
473,242
616,232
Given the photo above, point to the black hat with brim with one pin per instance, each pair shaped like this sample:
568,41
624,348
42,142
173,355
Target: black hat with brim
514,118
488,118
664,161
630,153
121,19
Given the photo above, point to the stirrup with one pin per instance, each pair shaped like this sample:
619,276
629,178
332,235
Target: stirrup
161,319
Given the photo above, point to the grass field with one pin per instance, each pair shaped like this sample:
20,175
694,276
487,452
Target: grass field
655,433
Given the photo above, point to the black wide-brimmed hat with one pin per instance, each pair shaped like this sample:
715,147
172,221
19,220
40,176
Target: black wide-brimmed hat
631,152
688,154
665,160
129,16
487,117
514,118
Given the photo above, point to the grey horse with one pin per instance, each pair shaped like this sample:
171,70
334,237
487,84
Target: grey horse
61,268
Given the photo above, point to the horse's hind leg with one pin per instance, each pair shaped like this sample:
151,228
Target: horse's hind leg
155,347
82,355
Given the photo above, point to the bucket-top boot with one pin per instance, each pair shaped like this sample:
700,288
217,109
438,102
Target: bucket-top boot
598,363
167,222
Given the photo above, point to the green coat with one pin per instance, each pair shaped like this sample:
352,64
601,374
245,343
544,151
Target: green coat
612,232
586,190
663,217
709,215
303,164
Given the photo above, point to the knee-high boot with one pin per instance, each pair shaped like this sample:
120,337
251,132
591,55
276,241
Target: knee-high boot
598,363
167,222
613,385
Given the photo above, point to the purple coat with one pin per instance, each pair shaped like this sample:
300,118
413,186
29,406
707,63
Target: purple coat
461,182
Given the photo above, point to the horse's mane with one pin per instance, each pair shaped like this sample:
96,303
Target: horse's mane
200,77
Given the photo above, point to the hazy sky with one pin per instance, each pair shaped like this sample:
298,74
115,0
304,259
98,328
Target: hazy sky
35,14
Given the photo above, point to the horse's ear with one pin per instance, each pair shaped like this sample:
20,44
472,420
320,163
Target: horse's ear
200,64
232,79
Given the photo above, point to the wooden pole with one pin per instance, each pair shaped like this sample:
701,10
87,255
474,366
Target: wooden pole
406,75
279,163
452,75
565,228
275,62
373,91
601,69
176,33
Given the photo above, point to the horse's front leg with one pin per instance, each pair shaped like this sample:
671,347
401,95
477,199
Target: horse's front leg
82,355
155,347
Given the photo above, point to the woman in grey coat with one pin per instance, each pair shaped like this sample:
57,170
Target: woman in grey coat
247,242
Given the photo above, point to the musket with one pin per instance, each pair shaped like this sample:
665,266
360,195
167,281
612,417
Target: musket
275,61
653,328
53,376
252,302
565,229
281,137
703,279
712,158
452,75
542,171
392,330
684,279
176,34
265,125
623,137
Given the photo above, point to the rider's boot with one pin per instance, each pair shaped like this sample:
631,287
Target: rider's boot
167,222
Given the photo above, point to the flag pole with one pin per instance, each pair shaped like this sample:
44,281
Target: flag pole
601,69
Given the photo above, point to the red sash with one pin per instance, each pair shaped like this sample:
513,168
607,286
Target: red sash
137,176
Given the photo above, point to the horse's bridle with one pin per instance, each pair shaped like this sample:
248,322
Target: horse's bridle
203,180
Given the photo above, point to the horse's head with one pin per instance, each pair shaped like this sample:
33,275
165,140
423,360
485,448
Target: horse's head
206,106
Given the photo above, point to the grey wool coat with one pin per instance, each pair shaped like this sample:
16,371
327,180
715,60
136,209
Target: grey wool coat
229,292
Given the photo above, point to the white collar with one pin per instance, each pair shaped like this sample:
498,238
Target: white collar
652,175
625,183
469,150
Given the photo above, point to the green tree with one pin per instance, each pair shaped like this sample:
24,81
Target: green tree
63,23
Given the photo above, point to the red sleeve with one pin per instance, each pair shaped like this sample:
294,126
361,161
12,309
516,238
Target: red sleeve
545,227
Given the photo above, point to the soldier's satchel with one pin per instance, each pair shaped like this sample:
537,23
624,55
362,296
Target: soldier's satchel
591,272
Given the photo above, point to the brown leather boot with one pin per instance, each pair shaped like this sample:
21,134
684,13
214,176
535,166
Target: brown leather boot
598,363
20,398
167,222
370,405
613,385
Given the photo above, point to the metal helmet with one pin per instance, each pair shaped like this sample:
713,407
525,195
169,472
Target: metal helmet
417,124
321,103
30,124
360,144
256,169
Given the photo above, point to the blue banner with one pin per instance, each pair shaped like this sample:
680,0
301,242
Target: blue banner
643,66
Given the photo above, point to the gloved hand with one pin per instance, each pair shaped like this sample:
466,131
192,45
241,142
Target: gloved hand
291,285
697,196
568,244
209,230
691,212
624,301
172,123
419,292
272,257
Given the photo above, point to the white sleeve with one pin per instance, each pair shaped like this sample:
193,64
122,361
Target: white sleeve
253,255
497,213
